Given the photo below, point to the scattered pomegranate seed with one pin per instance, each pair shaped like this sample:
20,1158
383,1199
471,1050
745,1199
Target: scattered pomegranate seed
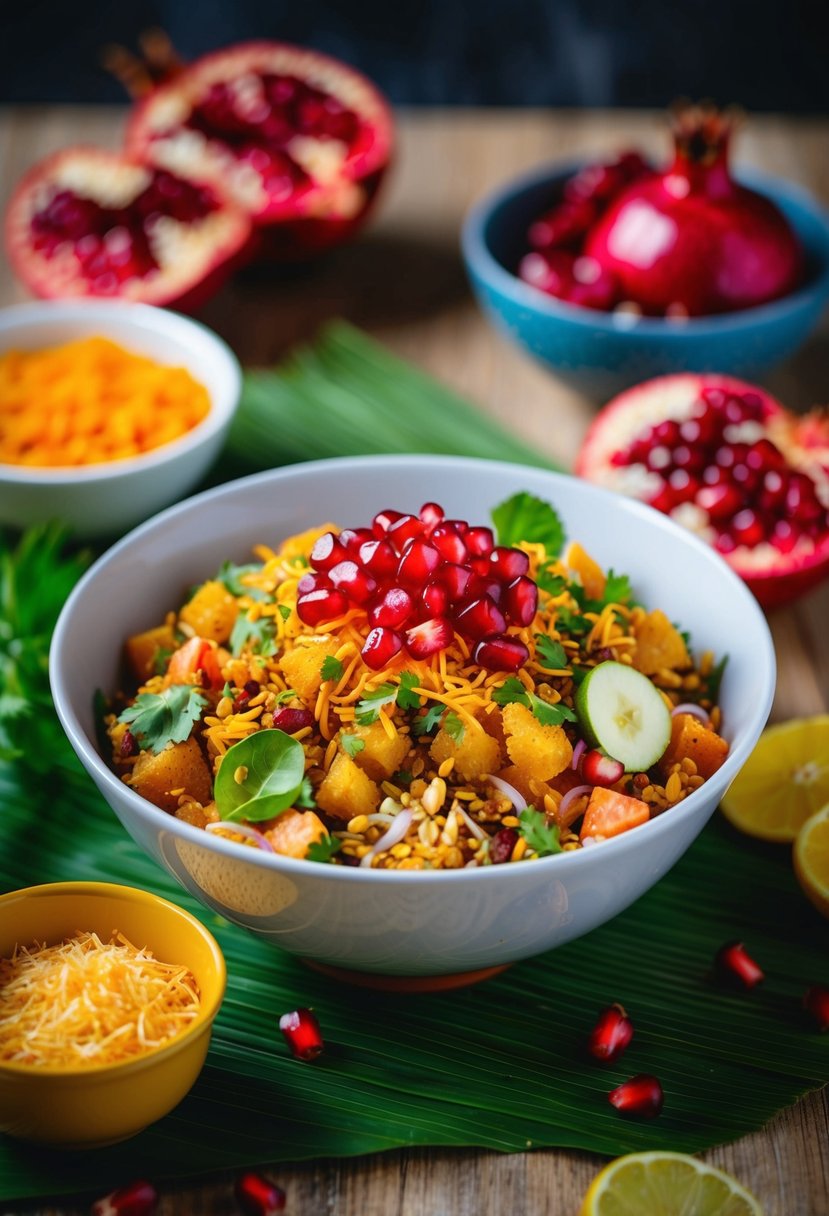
522,600
380,647
816,1003
378,557
419,561
431,514
449,543
640,1097
611,1034
302,1033
392,610
434,599
481,618
735,963
508,564
479,541
129,744
139,1198
322,605
313,582
456,579
599,769
428,638
352,538
407,527
383,520
501,654
253,688
240,701
292,720
258,1196
352,579
501,845
327,552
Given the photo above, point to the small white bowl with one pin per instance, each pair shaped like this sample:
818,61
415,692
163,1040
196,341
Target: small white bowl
392,922
106,499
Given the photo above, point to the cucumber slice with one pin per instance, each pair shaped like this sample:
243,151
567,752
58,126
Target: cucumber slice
623,713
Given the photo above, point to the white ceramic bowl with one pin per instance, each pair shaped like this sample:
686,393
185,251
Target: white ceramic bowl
106,499
412,923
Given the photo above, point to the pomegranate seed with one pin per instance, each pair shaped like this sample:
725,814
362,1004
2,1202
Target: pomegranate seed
666,432
611,1034
435,599
714,397
428,638
664,500
683,486
380,647
599,769
302,1033
352,538
392,610
292,720
801,500
460,526
747,529
407,527
356,582
481,618
480,542
419,561
258,1196
313,582
763,455
383,520
641,1096
774,490
138,1199
455,579
785,536
322,605
253,688
327,551
736,411
725,543
733,962
430,514
449,543
501,654
240,701
481,585
508,564
691,459
129,744
378,557
501,845
522,600
816,1002
720,501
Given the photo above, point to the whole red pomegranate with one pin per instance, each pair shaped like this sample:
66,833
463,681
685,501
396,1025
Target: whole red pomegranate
726,460
86,222
690,240
299,139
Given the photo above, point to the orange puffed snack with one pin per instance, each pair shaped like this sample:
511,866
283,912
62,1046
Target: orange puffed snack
89,402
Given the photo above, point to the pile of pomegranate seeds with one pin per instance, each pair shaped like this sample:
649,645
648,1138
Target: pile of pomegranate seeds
420,579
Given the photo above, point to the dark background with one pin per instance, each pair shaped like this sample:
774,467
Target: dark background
764,54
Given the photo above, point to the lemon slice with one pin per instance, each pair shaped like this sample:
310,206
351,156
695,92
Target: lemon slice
666,1184
784,781
811,859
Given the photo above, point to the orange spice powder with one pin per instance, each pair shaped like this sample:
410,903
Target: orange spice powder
89,402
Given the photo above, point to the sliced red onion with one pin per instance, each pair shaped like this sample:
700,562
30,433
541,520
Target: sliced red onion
570,797
689,707
475,828
517,800
587,841
578,752
393,836
242,829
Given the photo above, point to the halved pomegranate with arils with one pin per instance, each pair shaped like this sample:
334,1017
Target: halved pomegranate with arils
300,139
86,222
726,460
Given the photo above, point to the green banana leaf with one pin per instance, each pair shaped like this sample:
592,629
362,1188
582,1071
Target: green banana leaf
498,1066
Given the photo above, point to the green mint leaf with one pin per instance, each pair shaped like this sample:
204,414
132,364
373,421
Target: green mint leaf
542,837
233,579
368,709
166,717
550,654
525,517
323,850
332,669
270,767
513,690
406,697
259,636
351,745
427,723
454,728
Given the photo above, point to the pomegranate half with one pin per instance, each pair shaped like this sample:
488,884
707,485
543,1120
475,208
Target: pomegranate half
86,222
726,460
301,140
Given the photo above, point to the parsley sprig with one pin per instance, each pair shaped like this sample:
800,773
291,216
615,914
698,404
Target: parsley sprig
159,718
512,690
541,836
402,694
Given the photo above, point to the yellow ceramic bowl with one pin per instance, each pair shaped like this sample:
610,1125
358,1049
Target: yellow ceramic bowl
89,1107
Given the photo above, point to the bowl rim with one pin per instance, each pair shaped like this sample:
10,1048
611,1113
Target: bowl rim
481,262
154,1055
183,331
363,467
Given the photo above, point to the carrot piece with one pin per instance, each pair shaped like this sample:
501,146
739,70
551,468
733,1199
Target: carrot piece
195,655
295,831
610,813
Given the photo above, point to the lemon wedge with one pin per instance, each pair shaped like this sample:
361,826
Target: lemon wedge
811,859
666,1184
784,781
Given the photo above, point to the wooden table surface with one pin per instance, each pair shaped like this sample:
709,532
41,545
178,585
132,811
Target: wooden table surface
404,282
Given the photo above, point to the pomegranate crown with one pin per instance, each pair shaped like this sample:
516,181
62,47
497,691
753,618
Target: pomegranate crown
701,131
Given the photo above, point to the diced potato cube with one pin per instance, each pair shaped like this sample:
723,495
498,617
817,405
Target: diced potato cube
539,751
145,651
302,665
691,738
212,612
659,644
295,831
382,754
178,769
476,754
346,791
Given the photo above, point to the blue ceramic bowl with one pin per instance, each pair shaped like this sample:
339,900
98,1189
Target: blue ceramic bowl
602,353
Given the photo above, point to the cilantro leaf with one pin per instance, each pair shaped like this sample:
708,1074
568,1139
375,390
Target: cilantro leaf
165,717
284,611
324,849
287,695
541,836
427,723
305,797
525,517
617,589
550,654
258,636
351,745
232,578
513,690
573,623
332,669
553,584
406,697
368,709
454,728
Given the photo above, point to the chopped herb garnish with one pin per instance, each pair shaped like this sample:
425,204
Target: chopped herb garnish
161,658
406,697
550,654
165,717
454,728
712,681
260,776
287,695
351,744
305,797
527,518
617,590
573,623
427,723
553,584
259,636
332,669
402,777
541,836
228,690
512,690
284,611
324,849
232,576
368,709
